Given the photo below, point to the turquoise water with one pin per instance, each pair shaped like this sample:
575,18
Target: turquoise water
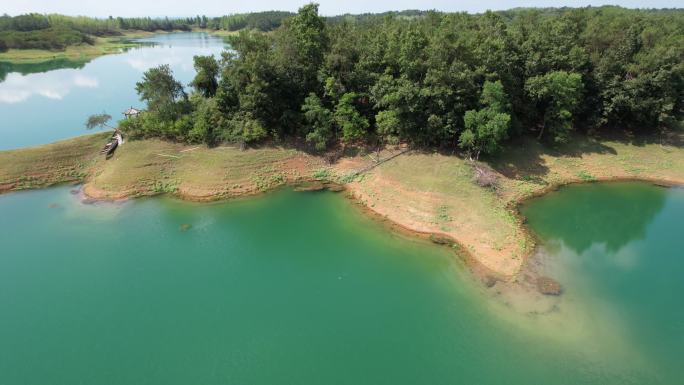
619,249
300,287
48,102
294,288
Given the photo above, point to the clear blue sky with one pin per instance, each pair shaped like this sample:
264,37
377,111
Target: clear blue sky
103,8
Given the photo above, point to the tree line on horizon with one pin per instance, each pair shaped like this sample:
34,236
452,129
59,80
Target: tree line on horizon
440,79
56,32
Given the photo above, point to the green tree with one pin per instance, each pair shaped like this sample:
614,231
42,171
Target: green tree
486,128
164,94
309,33
388,125
557,95
352,124
297,56
98,120
208,121
206,79
319,122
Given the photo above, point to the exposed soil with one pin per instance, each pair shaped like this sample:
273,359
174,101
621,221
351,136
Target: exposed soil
469,207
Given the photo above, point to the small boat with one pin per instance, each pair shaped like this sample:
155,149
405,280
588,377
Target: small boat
115,141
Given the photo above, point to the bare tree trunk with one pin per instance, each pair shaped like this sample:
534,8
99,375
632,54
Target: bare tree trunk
541,132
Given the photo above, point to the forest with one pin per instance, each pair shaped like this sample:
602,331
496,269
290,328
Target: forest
433,79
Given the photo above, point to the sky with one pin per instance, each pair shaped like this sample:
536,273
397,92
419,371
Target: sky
104,8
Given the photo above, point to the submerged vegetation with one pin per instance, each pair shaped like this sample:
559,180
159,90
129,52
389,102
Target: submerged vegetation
432,79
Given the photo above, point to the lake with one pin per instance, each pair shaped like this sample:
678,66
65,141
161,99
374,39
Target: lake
619,250
303,288
51,101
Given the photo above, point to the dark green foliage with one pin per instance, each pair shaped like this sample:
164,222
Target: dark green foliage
263,21
486,128
557,94
208,121
24,23
352,125
319,122
53,38
206,80
164,95
436,79
98,120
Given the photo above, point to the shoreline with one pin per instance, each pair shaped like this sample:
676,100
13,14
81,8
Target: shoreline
79,53
104,45
199,174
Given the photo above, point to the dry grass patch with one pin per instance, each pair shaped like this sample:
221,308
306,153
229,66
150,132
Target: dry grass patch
65,161
436,193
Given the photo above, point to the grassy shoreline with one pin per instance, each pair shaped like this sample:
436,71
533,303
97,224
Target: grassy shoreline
81,52
424,193
85,52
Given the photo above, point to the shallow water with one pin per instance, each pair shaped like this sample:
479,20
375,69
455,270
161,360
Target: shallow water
51,101
300,287
288,288
618,248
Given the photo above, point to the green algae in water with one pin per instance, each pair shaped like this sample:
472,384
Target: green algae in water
288,288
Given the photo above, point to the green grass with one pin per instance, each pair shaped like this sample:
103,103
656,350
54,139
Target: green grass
80,52
585,176
64,161
427,192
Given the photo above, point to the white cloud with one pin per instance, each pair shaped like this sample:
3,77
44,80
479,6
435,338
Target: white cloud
85,81
52,85
178,58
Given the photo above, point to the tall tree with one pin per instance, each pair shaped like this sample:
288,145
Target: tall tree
319,122
486,128
161,92
557,95
206,79
352,124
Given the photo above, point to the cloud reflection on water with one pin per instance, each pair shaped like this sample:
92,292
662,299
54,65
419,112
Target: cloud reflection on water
52,85
179,58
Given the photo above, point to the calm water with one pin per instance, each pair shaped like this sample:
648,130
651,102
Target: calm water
51,101
300,288
619,249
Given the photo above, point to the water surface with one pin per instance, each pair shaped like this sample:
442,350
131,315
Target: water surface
42,103
288,288
618,248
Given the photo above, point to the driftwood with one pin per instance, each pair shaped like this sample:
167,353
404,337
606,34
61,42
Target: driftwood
484,176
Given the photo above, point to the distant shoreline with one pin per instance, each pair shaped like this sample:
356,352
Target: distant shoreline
85,52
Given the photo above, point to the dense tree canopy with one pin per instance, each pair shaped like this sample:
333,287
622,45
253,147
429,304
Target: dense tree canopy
439,79
206,80
486,128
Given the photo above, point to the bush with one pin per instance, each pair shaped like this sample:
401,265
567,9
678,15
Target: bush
48,39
